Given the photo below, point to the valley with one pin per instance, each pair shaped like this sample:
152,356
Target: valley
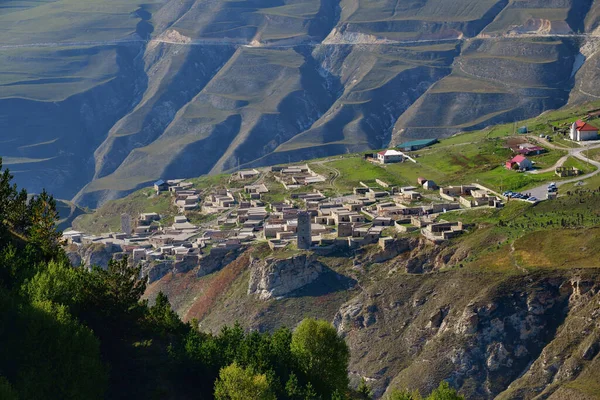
300,199
174,89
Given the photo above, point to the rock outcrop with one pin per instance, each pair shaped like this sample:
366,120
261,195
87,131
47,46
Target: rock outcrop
155,271
215,261
97,254
274,277
208,264
490,334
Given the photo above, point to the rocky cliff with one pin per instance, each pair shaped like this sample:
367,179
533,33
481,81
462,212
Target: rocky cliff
276,278
413,317
90,255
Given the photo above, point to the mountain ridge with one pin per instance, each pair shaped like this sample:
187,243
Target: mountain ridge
200,87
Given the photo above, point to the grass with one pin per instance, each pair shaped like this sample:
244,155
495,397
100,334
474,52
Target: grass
55,73
108,217
587,382
432,11
503,179
550,235
593,154
547,160
356,169
583,166
559,248
517,16
479,157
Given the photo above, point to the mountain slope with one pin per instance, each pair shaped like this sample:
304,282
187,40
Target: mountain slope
97,100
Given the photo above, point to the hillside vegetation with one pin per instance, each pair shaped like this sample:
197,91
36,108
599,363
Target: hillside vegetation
484,311
86,332
98,100
469,157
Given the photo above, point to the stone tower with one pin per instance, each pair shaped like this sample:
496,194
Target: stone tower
304,233
126,224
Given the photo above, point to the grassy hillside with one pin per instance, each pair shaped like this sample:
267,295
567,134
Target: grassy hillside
106,98
470,157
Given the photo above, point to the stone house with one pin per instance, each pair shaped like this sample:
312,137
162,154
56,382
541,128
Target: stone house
442,231
161,186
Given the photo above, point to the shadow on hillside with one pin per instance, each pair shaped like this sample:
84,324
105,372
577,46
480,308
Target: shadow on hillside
329,282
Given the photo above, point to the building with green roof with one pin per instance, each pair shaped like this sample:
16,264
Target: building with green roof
416,144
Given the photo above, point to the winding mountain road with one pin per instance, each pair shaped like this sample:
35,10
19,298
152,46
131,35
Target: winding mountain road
541,191
133,39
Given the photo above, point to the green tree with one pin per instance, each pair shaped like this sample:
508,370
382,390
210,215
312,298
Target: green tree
48,354
309,392
364,391
18,216
293,389
116,290
162,319
44,216
7,193
444,392
58,282
321,355
404,395
237,383
6,390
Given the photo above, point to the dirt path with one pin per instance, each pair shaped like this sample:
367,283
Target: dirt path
514,259
334,177
559,163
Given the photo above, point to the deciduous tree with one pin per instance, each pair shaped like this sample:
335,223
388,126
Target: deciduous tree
322,355
237,383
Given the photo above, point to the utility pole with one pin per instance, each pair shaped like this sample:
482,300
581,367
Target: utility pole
588,152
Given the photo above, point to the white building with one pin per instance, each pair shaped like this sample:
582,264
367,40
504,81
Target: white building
581,131
390,156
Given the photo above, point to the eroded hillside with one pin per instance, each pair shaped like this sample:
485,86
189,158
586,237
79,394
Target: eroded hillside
98,99
493,333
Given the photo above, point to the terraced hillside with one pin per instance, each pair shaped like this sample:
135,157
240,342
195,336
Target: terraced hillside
99,98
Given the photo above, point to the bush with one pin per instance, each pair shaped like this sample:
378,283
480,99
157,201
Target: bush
443,392
237,383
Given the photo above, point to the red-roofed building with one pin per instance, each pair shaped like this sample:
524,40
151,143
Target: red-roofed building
581,131
519,162
532,150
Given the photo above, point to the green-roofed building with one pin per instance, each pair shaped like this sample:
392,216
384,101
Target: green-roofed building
416,144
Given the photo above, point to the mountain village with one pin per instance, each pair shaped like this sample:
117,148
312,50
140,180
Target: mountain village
241,212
